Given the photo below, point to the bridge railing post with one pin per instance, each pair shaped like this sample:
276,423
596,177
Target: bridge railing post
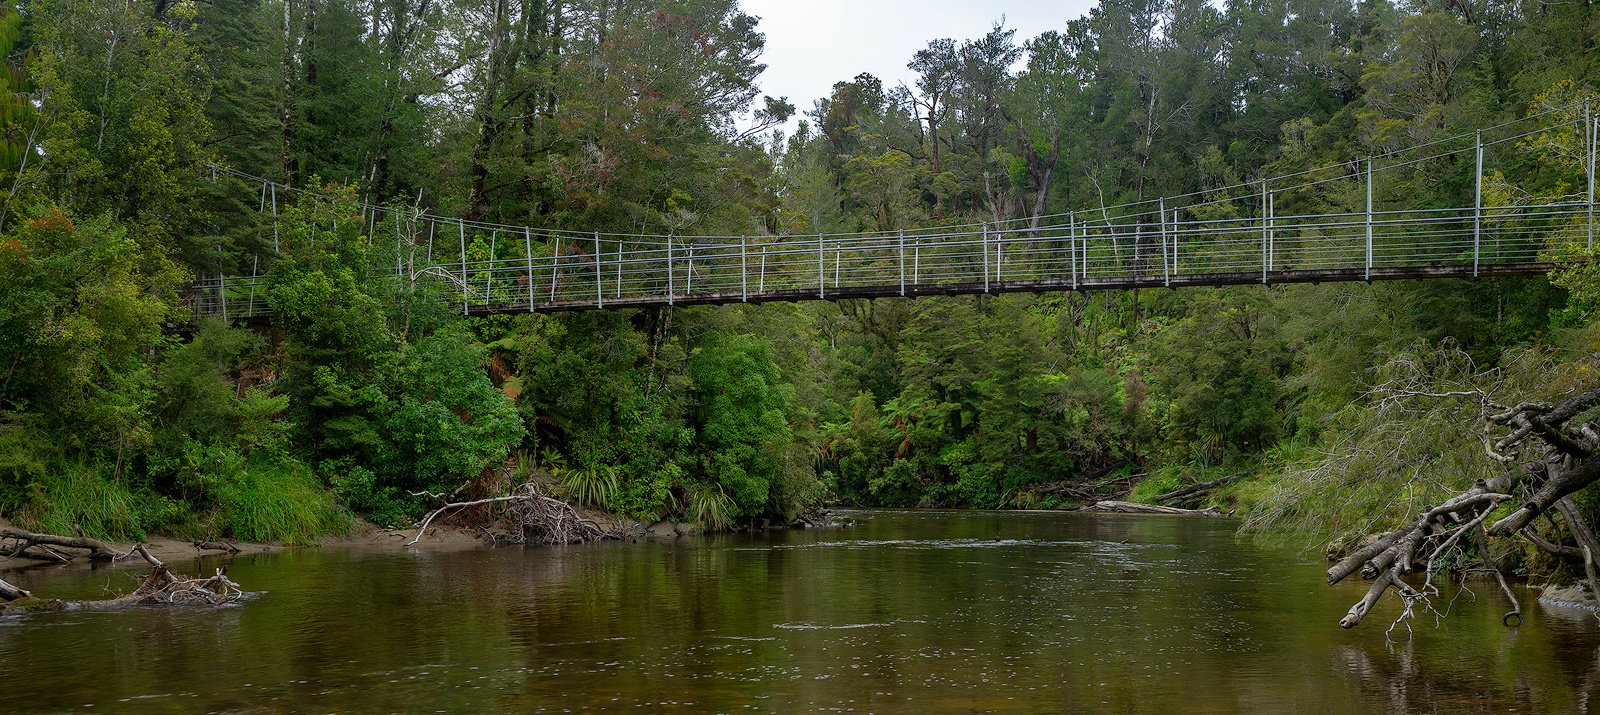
999,260
822,281
527,245
984,255
1266,230
744,281
555,266
1369,219
1175,234
466,300
1477,204
619,268
255,277
1166,257
599,287
761,280
1593,128
670,290
276,246
902,263
1072,247
399,253
488,288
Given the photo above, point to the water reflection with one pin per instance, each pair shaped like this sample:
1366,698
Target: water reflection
910,611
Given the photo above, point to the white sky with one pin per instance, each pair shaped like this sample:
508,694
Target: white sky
811,44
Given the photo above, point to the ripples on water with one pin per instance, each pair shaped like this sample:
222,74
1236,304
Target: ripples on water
908,612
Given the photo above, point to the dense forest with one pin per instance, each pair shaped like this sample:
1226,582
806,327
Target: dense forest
126,125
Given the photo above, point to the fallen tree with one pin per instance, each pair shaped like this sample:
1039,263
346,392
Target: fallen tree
1196,492
1545,454
30,545
1128,507
160,587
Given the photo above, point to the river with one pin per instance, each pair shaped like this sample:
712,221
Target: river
929,611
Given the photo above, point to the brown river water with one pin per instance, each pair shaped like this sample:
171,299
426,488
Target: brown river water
915,612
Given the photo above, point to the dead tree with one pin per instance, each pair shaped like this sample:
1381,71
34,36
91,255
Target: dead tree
1547,454
532,517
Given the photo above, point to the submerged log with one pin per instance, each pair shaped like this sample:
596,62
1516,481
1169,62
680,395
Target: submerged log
1126,507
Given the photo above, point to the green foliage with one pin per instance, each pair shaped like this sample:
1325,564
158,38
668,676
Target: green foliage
261,499
592,486
81,499
449,423
741,415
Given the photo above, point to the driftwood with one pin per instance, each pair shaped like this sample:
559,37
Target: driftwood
1090,491
1126,507
9,592
25,540
216,546
532,517
160,587
1546,459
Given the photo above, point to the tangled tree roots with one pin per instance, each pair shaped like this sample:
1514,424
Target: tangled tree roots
531,517
161,587
1546,457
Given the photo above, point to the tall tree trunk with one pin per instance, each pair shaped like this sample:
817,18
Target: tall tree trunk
490,121
287,108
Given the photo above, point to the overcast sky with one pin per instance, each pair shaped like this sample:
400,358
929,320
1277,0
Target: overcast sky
812,44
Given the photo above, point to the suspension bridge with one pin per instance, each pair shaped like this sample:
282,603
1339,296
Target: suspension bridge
1354,221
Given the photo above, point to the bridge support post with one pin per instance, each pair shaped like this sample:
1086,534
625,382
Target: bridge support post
527,246
902,263
1369,219
599,288
466,300
1477,205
